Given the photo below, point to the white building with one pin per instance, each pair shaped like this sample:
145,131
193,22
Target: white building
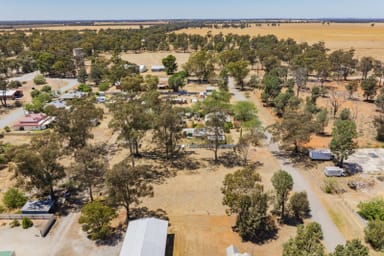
232,251
145,237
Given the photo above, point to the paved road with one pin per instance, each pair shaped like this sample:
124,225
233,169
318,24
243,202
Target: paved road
332,236
16,114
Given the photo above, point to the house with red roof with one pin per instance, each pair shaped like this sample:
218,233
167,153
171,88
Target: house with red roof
33,122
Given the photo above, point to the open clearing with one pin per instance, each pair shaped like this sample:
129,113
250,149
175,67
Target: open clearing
365,39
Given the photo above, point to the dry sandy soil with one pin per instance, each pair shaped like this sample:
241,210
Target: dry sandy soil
366,40
154,58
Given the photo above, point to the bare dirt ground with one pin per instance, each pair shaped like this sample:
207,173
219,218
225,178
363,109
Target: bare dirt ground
65,238
154,58
365,39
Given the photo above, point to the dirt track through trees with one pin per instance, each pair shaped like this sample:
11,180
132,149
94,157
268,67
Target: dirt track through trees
332,236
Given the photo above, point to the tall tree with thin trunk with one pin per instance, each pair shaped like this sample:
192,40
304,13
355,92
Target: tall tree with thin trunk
90,166
127,185
343,135
38,164
283,184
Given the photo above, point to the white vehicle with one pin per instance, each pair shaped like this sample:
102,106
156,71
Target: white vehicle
101,99
333,171
322,154
142,68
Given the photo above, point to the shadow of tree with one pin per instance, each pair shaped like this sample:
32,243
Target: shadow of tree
183,162
113,239
291,157
157,174
227,159
144,212
261,237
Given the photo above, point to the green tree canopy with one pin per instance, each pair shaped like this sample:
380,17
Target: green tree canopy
170,64
37,164
96,219
306,242
351,248
343,135
282,183
13,198
239,70
127,184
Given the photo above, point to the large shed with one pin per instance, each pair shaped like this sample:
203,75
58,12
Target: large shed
145,237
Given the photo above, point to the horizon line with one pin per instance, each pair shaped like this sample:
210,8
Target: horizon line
195,19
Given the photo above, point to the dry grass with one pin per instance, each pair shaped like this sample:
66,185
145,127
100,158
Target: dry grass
367,40
97,26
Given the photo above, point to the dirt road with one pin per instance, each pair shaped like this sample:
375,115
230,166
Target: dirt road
332,236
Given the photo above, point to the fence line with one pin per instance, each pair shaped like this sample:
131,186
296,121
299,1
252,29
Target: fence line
21,216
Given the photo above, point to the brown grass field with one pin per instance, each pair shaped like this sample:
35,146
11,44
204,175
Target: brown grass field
96,26
367,40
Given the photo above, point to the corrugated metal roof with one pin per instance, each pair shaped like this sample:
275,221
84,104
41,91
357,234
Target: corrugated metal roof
145,237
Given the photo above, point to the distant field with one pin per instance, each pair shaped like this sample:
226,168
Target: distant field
365,39
96,26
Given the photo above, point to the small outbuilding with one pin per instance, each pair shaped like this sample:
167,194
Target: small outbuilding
38,207
145,237
59,104
73,95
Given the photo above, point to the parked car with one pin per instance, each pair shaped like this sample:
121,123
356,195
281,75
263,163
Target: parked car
334,171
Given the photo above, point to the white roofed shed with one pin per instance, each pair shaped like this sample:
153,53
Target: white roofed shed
145,237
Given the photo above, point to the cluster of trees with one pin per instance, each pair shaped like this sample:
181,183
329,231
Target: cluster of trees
296,127
308,242
245,196
373,212
38,167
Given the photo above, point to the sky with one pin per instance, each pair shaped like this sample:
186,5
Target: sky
199,9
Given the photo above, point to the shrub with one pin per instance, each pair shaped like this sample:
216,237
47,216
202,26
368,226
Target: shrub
39,80
26,223
103,87
15,84
372,210
2,209
95,218
374,234
46,88
330,186
13,198
7,129
84,88
14,223
35,93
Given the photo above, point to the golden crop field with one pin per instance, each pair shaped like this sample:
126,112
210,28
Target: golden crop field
367,40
